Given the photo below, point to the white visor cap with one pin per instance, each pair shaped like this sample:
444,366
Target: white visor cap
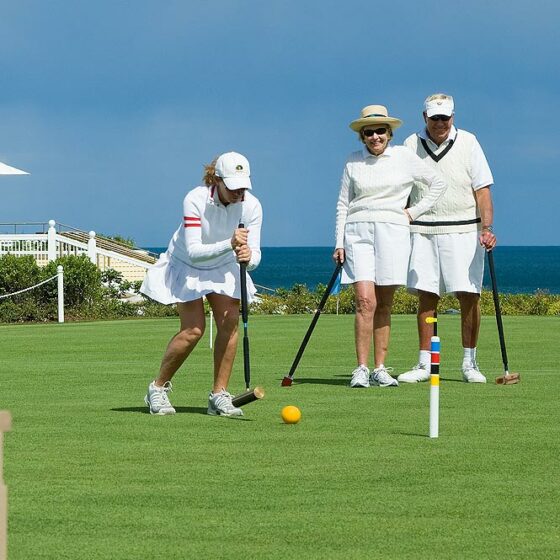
439,107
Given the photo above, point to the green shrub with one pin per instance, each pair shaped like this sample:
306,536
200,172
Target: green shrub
82,280
18,273
26,311
300,300
86,298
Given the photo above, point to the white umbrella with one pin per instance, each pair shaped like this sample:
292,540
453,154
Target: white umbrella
8,170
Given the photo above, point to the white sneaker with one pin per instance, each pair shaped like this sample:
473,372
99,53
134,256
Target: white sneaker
360,377
219,404
157,399
381,378
471,374
419,373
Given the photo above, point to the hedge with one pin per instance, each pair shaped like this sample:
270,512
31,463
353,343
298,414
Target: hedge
91,295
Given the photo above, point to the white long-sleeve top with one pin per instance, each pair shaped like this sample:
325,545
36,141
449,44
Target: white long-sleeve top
376,188
203,240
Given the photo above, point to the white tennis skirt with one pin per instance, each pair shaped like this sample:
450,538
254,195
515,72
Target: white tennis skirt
173,281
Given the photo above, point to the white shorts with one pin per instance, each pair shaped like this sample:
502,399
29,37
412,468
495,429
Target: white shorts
446,262
376,251
173,281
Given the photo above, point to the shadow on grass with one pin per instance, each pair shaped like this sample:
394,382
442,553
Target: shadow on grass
411,434
344,379
178,409
319,381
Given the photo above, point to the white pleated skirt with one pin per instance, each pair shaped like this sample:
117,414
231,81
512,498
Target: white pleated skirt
173,281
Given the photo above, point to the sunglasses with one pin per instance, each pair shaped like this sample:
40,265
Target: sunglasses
371,131
436,118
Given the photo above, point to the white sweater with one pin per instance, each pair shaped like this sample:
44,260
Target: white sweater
376,188
464,169
203,240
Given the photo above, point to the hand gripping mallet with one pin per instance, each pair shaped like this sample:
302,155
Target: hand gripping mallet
508,378
5,426
434,379
288,379
257,393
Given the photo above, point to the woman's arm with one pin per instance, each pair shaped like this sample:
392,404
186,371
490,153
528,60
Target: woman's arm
196,250
424,173
254,224
342,208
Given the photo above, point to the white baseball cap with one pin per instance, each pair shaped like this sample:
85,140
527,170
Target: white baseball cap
439,107
235,171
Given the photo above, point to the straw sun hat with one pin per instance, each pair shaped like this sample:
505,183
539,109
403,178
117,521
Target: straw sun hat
375,114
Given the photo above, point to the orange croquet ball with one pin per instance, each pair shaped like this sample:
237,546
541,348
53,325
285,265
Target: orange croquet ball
291,414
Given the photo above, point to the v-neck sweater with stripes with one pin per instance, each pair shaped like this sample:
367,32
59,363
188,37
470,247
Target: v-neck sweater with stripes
461,163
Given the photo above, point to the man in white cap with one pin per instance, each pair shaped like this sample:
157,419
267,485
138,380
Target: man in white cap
449,241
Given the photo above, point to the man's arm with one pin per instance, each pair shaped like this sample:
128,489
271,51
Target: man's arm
486,210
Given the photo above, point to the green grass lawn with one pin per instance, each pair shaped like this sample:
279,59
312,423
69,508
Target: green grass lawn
92,475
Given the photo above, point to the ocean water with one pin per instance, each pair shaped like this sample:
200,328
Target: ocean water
518,269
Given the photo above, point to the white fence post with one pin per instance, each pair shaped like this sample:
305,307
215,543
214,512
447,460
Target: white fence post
5,426
211,327
51,241
92,248
60,280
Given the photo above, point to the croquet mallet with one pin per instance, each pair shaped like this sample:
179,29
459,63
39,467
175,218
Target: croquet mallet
508,378
257,393
288,379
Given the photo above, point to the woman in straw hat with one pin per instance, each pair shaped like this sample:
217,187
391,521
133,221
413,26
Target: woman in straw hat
202,261
372,232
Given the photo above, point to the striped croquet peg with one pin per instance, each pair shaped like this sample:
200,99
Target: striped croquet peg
434,380
5,426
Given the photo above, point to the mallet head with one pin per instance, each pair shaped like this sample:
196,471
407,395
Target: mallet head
248,397
287,381
508,379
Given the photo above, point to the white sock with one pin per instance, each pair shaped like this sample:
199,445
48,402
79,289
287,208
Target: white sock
424,357
469,356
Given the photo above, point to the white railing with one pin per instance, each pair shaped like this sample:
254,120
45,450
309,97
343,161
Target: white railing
49,244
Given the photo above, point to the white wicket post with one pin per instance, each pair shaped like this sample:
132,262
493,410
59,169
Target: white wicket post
5,426
211,328
434,380
60,281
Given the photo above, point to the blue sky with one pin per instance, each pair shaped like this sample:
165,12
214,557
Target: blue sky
114,106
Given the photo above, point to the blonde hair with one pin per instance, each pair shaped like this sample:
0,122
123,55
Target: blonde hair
210,178
435,96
